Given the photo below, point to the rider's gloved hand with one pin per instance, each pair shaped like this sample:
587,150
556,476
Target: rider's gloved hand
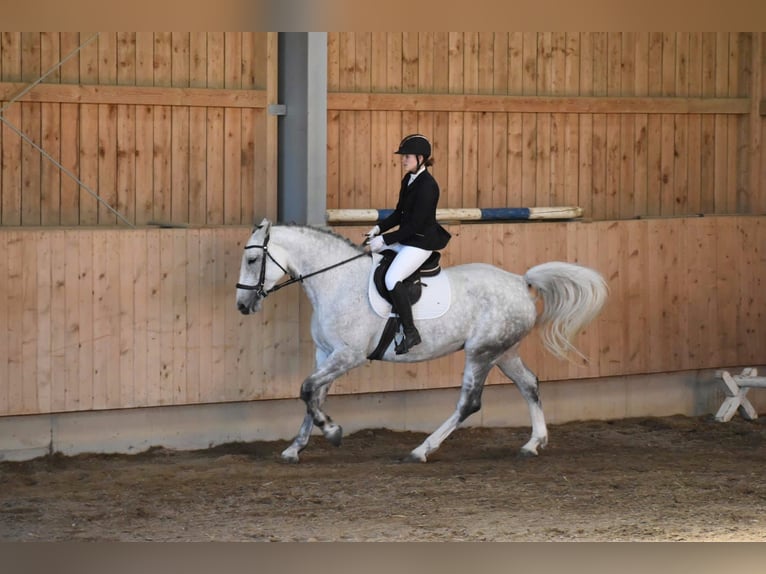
377,244
372,232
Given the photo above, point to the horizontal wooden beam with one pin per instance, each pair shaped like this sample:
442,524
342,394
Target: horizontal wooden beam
135,95
559,104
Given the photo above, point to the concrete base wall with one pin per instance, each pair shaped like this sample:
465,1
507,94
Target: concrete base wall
130,431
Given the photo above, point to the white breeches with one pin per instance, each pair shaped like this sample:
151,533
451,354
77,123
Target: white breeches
406,262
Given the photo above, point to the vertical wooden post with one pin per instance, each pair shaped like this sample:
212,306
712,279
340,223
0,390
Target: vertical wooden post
758,201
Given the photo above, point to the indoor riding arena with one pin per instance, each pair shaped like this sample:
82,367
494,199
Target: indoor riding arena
138,404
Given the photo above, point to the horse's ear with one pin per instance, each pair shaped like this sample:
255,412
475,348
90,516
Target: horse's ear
264,223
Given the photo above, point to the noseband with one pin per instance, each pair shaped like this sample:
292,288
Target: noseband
261,292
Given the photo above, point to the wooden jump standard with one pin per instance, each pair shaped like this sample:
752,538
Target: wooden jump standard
736,387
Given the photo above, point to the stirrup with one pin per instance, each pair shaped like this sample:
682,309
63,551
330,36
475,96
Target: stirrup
409,341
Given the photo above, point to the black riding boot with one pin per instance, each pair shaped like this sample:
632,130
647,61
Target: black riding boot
404,310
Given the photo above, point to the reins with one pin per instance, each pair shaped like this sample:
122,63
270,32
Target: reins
262,278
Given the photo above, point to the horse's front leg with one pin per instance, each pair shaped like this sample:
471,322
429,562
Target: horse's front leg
313,392
290,454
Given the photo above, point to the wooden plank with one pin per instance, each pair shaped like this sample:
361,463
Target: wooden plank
470,62
410,63
43,343
215,166
31,120
456,64
529,58
107,163
249,142
232,167
192,315
112,297
757,162
149,391
484,161
166,296
5,312
351,101
178,306
50,176
729,260
69,202
694,122
72,320
85,290
470,160
125,184
599,163
485,67
721,125
681,125
667,164
123,394
515,158
103,302
543,195
138,95
453,194
333,159
501,54
206,280
613,164
707,153
378,159
702,300
10,169
15,317
362,167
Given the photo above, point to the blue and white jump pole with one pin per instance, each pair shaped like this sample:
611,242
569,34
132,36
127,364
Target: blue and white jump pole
462,214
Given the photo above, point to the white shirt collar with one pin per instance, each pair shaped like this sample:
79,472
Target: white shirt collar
414,175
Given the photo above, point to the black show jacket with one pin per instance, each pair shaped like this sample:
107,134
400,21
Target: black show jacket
415,214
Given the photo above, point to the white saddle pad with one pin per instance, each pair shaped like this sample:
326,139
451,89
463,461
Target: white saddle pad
434,301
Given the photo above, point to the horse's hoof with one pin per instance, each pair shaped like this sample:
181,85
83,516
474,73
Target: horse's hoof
527,453
290,457
335,435
412,457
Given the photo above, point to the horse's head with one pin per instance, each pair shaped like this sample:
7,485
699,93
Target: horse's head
259,270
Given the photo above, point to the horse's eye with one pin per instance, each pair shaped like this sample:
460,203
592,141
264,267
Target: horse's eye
251,261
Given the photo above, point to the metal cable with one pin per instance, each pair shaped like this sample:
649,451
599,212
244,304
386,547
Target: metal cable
44,153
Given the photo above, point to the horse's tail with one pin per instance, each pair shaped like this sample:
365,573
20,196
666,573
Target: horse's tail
572,296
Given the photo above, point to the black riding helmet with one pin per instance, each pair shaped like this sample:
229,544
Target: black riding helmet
415,144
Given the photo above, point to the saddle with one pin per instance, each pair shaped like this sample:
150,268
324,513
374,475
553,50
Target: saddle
414,288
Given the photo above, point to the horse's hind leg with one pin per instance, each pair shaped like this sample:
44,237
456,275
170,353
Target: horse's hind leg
514,368
477,367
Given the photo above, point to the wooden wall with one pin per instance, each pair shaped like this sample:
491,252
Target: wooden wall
621,124
105,318
167,127
173,127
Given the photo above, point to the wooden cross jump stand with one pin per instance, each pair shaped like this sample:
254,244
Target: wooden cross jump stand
736,387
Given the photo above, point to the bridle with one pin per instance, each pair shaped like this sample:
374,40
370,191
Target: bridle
259,287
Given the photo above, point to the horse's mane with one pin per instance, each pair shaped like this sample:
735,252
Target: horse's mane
325,231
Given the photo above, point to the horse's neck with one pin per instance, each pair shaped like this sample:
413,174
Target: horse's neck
309,251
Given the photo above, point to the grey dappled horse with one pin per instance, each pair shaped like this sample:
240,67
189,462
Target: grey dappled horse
491,312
